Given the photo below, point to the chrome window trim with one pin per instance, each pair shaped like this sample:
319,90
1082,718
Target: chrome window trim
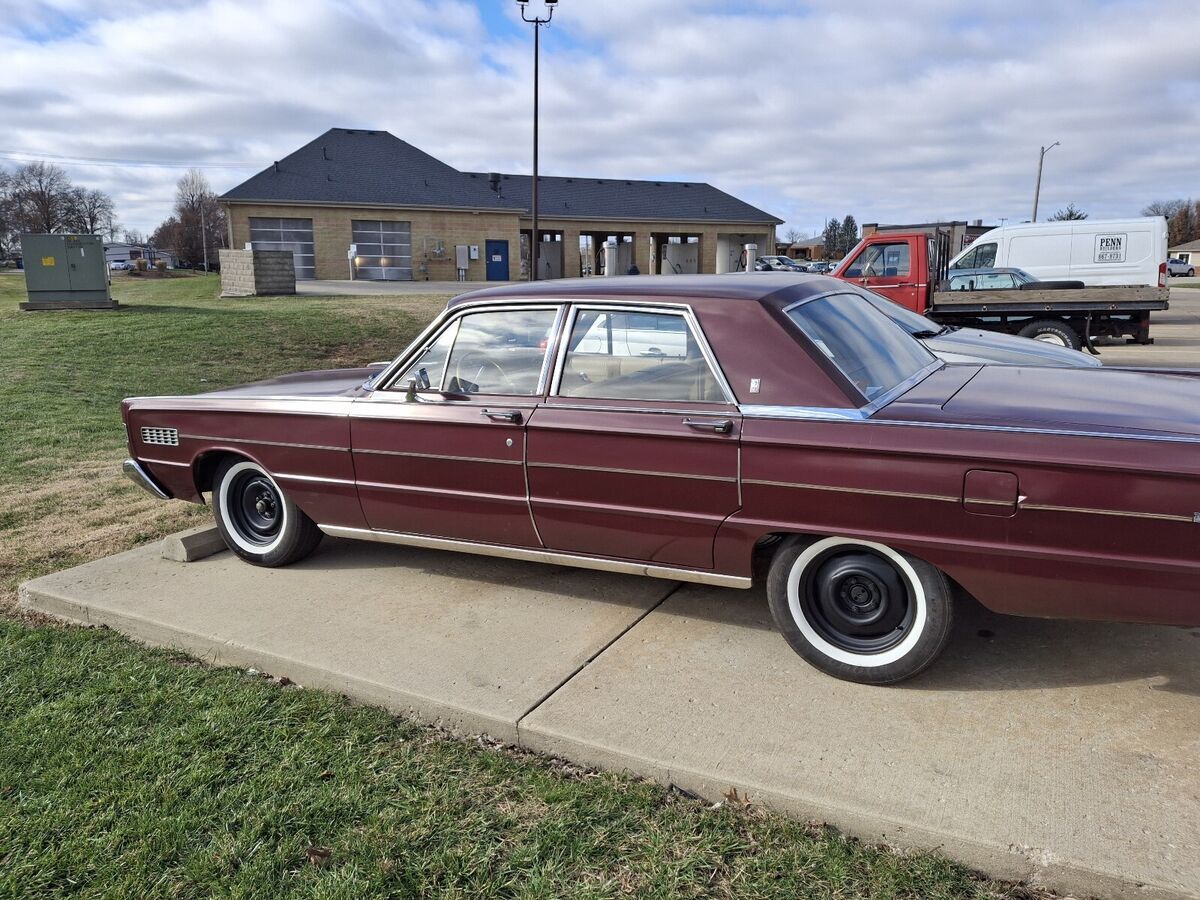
871,406
661,410
385,381
814,413
667,309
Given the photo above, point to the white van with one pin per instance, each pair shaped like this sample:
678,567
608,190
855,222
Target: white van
1115,251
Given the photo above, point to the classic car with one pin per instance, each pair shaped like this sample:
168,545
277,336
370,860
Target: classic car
780,425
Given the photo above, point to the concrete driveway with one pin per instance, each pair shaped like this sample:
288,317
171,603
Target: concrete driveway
1063,753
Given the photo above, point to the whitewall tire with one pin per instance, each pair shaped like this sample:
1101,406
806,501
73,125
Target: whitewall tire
859,610
257,520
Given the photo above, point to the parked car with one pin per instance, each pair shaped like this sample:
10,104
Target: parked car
118,265
779,264
872,481
819,268
956,344
1180,267
1002,280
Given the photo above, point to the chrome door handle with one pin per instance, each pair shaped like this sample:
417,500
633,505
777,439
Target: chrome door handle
719,426
503,415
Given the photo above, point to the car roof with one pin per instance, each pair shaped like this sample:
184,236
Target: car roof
752,286
987,270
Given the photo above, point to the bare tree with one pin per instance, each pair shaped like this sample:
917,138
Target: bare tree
1184,224
1164,208
198,227
792,235
92,211
1069,213
8,223
42,196
133,236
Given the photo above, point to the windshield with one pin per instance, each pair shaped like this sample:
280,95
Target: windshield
868,348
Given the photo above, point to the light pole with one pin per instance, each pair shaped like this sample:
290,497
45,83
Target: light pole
1037,188
537,22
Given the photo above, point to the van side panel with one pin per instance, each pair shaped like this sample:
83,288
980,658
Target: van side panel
1046,256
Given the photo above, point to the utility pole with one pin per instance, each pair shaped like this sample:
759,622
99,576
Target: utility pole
537,22
203,235
1037,189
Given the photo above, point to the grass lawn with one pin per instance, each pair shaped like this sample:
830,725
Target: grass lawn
129,772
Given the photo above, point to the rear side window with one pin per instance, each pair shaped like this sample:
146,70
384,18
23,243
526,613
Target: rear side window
621,355
871,350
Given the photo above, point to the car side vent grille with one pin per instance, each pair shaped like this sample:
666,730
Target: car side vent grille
168,437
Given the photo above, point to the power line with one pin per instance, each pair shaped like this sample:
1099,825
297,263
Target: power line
116,163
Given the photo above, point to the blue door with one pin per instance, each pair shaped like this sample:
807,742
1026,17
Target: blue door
497,260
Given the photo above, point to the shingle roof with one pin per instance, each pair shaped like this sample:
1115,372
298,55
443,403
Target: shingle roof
354,166
618,198
346,165
1190,245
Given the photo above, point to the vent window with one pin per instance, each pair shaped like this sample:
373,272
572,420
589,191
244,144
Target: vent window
166,437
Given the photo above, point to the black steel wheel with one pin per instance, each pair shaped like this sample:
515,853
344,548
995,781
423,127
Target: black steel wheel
859,610
257,520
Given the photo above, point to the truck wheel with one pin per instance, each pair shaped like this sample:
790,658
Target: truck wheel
257,520
1052,331
858,610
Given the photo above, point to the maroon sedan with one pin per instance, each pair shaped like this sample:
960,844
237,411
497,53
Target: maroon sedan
689,427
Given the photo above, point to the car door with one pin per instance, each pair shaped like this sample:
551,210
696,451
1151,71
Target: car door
440,450
634,454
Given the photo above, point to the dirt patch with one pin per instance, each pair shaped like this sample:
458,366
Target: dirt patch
85,513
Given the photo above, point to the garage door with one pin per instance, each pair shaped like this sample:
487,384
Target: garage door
286,234
384,250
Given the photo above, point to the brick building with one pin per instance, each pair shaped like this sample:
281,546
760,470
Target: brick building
365,204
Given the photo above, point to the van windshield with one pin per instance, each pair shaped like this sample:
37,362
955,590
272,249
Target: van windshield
873,352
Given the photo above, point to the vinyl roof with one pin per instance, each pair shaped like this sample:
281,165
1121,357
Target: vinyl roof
349,166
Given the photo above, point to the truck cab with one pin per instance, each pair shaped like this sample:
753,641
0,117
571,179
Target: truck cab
895,266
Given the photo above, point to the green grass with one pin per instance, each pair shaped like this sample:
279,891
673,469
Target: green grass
126,772
66,372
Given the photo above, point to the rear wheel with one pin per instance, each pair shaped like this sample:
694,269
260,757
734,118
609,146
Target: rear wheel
257,520
1052,331
859,610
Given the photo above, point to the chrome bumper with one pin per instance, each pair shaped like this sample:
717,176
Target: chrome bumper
134,472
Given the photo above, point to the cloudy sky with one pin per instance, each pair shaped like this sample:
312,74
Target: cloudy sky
895,112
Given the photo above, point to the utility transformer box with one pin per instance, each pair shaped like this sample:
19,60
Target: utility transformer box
65,271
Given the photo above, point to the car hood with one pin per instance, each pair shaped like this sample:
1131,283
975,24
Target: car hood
967,345
327,383
1107,400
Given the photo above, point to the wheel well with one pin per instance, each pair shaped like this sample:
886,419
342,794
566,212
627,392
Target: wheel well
204,469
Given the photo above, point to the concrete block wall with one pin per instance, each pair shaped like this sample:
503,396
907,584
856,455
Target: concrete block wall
332,236
251,273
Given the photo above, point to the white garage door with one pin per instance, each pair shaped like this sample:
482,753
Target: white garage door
383,250
286,234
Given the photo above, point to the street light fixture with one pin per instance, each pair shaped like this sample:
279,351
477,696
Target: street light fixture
1037,190
537,22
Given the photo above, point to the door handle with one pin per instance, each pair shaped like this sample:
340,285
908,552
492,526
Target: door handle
503,415
719,426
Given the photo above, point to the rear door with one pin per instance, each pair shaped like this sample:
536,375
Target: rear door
635,453
442,451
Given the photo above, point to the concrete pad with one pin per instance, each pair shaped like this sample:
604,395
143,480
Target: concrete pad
466,641
194,544
1063,753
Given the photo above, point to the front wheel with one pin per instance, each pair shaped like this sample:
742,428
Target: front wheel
858,610
257,520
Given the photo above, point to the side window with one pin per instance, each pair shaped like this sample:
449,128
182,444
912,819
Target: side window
985,256
882,261
967,260
994,281
498,352
620,355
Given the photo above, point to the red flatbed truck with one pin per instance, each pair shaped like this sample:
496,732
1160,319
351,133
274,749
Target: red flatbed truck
911,269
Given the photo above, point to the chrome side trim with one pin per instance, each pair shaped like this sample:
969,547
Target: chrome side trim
165,462
441,492
980,500
908,495
808,413
264,443
1165,517
819,413
477,459
614,471
139,476
530,554
313,478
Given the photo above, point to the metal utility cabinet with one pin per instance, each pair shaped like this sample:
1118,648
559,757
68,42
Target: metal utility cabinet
65,271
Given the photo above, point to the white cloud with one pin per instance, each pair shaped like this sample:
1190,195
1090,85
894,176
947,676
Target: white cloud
894,112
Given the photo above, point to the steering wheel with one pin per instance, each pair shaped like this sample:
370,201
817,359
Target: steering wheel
479,364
